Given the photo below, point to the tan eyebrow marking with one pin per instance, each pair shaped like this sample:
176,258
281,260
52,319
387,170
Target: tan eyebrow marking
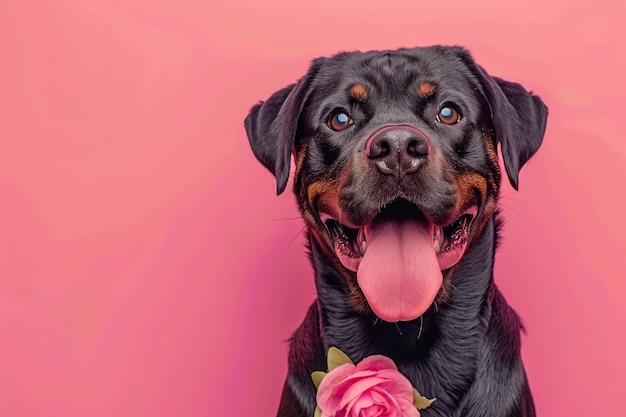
358,92
426,90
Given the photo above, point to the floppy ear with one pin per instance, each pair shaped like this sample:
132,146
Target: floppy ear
519,118
272,126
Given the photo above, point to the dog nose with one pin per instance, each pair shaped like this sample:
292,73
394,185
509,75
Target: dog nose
397,150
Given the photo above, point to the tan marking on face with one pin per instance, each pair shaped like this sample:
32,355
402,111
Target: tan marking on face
323,192
426,90
491,152
358,92
467,183
494,174
300,155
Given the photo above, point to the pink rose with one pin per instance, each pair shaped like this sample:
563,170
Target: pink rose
374,387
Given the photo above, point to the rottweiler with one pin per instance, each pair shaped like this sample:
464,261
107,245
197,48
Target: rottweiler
397,178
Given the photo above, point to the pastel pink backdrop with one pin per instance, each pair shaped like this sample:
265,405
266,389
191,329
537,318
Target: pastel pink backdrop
147,269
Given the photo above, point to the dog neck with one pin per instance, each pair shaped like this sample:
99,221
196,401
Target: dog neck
445,330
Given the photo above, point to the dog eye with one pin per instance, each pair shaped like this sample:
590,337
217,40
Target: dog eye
449,115
340,121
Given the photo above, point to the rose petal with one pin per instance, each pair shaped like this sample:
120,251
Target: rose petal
352,379
374,410
327,399
376,363
360,375
364,406
377,397
387,401
357,388
354,406
330,395
396,384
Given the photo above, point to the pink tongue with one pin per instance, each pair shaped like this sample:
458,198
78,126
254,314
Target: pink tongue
399,273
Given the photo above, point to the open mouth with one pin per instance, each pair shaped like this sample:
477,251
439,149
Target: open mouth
450,240
399,256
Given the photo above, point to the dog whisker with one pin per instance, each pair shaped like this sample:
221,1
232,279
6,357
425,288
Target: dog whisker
444,291
362,303
398,327
508,197
293,240
419,334
375,321
509,210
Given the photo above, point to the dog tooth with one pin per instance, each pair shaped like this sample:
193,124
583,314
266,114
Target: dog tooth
361,235
438,238
363,247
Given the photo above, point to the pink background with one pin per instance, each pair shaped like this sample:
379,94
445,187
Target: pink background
147,268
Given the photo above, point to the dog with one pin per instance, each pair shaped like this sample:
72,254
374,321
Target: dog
397,178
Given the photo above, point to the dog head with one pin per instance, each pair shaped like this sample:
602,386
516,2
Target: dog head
396,164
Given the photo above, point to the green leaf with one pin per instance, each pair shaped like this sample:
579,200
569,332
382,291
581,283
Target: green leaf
318,412
336,358
317,377
421,402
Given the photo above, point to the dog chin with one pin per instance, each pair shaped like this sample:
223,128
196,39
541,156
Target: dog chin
399,257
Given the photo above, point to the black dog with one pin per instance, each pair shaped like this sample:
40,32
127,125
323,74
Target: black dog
397,179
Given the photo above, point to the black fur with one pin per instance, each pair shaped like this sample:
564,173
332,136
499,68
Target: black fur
466,350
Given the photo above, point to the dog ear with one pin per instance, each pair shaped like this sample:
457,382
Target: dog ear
272,126
519,118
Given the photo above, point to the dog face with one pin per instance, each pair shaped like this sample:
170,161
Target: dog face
396,165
